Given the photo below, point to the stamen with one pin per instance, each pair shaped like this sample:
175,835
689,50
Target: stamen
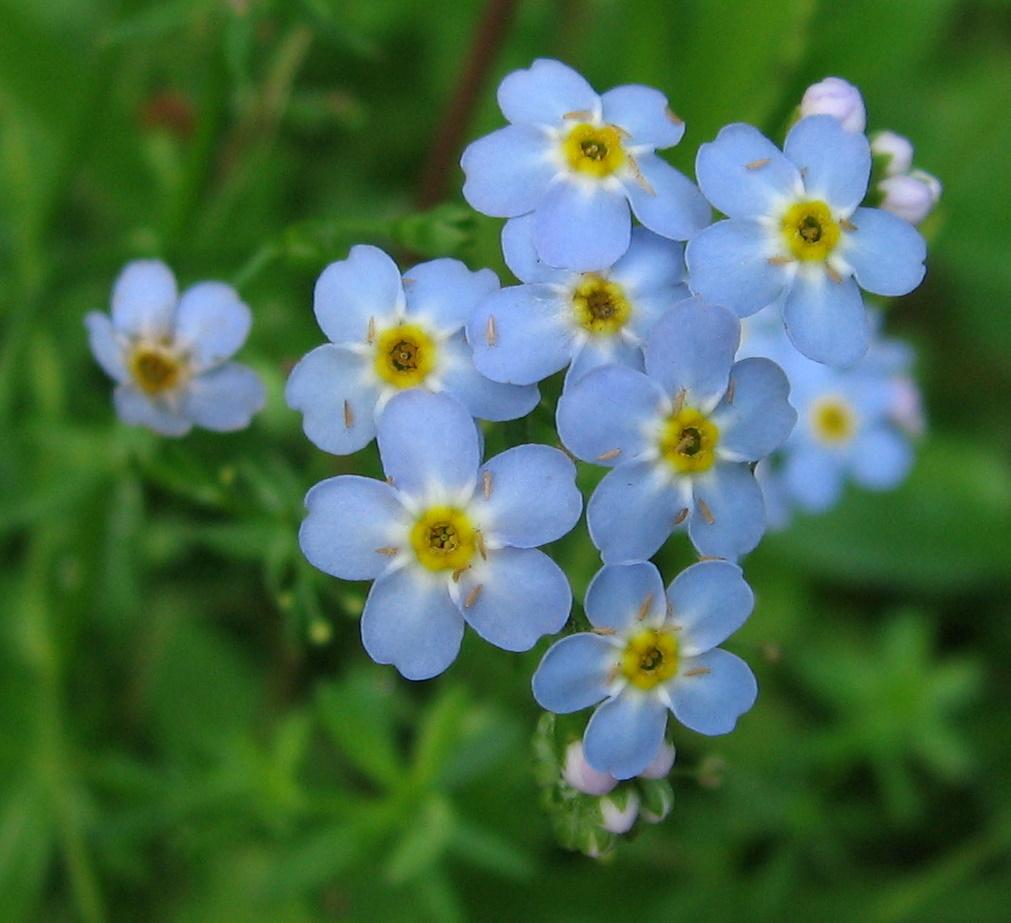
731,391
389,551
756,164
459,572
779,260
639,178
710,557
698,671
681,517
408,281
490,334
390,481
349,416
583,115
833,274
604,631
472,596
673,116
479,542
647,604
608,455
370,334
679,401
486,484
707,514
847,225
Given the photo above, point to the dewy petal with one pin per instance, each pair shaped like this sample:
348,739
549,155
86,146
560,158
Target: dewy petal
596,352
144,299
428,441
350,292
620,594
350,519
834,162
225,398
410,621
827,320
710,601
665,200
520,334
735,507
484,398
544,93
507,171
881,459
331,387
105,347
814,477
581,225
728,264
624,734
521,255
886,253
609,409
644,113
744,174
574,673
691,349
445,292
710,702
514,598
756,417
212,323
652,265
138,409
632,513
528,496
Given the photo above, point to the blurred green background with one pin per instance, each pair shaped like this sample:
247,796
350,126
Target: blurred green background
189,729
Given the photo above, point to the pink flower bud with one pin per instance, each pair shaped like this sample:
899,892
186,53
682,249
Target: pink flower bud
619,820
897,149
911,196
661,764
836,97
582,776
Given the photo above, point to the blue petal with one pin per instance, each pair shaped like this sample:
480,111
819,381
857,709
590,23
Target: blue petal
444,293
484,398
644,114
528,496
814,478
653,264
835,163
410,621
631,513
104,346
333,388
574,673
514,598
350,292
886,253
428,441
581,225
608,409
225,398
520,334
619,594
144,299
691,349
349,519
734,177
710,601
728,264
507,171
599,351
624,734
521,255
544,93
212,323
711,702
138,409
827,320
881,459
758,419
667,202
734,500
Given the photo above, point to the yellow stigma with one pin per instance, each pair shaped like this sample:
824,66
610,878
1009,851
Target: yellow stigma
688,441
809,231
650,657
405,355
443,538
833,420
594,149
155,369
600,306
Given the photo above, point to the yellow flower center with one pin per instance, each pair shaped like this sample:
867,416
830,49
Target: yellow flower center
688,441
155,369
594,150
833,420
809,230
405,355
650,657
443,538
600,306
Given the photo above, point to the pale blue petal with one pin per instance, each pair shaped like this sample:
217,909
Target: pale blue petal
445,292
735,503
667,202
649,308
834,162
574,673
653,264
224,399
758,419
599,351
886,253
710,601
508,171
619,594
624,734
144,299
105,347
544,93
644,114
711,702
814,477
138,409
521,255
881,459
211,323
581,225
484,398
827,320
350,292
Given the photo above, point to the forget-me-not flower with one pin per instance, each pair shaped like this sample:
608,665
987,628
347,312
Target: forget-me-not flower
169,354
578,162
651,652
795,234
387,335
446,539
680,438
524,333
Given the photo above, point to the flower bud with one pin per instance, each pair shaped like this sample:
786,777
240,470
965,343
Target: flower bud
657,800
836,97
661,764
897,150
911,197
617,817
906,407
582,776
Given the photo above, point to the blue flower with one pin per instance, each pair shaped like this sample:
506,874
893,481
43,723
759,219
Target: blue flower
680,438
651,652
577,161
446,539
795,235
524,333
387,335
168,354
